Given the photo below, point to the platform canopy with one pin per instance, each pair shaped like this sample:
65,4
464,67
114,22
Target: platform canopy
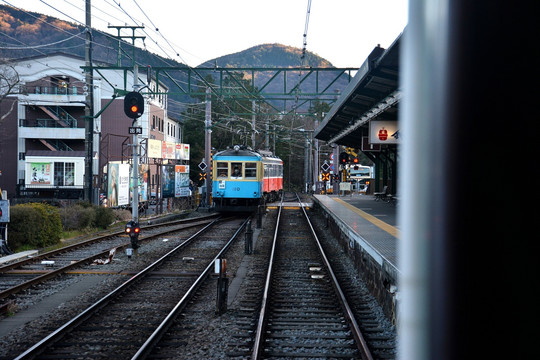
373,94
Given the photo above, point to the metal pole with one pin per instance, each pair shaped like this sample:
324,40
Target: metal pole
89,110
135,179
316,157
208,144
253,124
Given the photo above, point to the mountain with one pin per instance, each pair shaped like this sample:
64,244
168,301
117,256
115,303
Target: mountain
268,55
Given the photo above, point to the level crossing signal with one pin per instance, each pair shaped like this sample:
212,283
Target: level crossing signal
325,176
202,176
133,105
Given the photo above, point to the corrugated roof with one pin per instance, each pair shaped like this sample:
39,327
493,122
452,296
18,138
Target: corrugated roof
373,93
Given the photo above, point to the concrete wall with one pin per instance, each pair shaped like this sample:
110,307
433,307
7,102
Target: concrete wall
381,280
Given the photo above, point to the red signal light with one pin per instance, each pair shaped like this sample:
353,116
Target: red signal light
137,230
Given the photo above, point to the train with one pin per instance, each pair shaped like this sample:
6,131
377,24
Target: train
244,178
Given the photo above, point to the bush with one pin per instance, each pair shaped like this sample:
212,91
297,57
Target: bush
82,216
34,225
104,217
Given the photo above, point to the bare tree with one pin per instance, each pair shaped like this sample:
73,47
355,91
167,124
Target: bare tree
9,81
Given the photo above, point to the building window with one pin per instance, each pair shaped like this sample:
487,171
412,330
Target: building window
64,174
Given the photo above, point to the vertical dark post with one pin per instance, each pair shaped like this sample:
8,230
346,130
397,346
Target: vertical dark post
89,109
249,239
208,145
260,210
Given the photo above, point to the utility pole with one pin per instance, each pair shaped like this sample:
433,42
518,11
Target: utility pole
253,124
89,110
208,144
135,179
316,155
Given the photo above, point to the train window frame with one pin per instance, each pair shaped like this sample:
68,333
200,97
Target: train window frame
250,170
234,165
222,168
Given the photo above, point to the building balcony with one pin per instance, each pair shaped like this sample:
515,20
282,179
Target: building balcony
48,129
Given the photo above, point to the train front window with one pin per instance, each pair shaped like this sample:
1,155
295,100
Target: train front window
236,170
251,170
222,169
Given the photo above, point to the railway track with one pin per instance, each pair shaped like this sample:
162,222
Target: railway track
26,273
128,321
304,312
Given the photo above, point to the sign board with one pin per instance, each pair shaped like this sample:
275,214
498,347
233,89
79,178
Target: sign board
154,148
383,132
135,130
325,167
181,181
4,211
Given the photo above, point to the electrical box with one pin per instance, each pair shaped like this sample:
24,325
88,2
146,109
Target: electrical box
4,211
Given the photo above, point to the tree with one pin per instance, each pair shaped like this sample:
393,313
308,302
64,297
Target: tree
9,81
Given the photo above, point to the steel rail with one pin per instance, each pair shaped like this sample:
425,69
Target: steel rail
53,273
349,315
355,329
55,252
56,335
153,339
263,316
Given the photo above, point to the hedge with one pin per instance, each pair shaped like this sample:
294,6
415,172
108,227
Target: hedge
34,225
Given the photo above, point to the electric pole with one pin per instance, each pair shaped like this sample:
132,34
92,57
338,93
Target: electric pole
89,111
208,144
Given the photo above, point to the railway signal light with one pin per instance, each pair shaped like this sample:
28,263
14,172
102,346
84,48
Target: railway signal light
343,158
133,230
133,105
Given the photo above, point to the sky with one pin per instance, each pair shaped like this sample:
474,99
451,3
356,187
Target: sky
343,32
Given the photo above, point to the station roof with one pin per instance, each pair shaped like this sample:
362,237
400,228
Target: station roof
372,93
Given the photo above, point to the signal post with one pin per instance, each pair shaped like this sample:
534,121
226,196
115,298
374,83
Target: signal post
134,108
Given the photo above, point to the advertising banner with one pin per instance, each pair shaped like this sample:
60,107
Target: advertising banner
143,183
383,132
181,181
118,185
168,151
167,181
154,148
182,151
123,184
41,173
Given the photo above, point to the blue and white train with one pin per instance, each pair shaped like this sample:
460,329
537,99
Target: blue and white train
244,179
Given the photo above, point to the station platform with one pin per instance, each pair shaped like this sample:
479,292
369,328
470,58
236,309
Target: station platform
371,224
